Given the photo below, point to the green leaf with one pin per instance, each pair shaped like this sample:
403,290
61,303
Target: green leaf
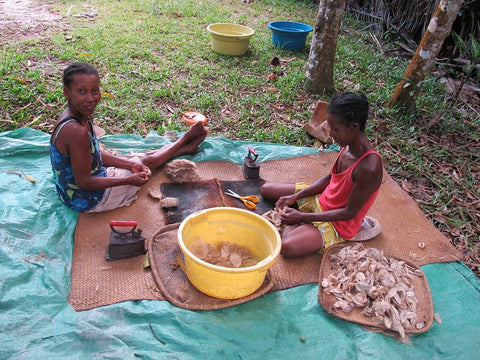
468,68
474,49
459,43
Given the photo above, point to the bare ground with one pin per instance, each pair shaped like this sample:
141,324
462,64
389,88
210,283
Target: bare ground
25,18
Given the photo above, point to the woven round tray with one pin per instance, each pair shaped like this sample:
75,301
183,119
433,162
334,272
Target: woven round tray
425,312
163,251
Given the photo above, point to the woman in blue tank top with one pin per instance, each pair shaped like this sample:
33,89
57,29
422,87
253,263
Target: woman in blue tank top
85,176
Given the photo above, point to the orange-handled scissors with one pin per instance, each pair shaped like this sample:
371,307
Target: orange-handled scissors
249,201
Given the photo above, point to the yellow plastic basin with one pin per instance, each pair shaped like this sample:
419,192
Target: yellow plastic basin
235,225
229,39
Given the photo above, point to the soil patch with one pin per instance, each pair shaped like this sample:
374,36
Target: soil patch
25,18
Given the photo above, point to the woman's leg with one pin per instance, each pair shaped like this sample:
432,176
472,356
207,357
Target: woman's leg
274,190
187,144
301,240
297,240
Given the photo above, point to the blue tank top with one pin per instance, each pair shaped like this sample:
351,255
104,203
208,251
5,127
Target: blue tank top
70,194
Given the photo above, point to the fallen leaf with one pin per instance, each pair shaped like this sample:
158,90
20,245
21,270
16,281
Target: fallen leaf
29,178
440,219
272,76
274,61
23,81
14,172
406,185
108,95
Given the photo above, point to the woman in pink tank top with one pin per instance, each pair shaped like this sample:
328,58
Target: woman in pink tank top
332,209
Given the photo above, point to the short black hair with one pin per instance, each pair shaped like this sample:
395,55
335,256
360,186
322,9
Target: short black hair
351,108
77,68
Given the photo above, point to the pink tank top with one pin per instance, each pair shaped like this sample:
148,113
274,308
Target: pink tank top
336,196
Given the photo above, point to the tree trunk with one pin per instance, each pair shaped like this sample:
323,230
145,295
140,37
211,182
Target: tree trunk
427,51
319,74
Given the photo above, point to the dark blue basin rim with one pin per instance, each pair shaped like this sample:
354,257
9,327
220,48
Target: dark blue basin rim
290,26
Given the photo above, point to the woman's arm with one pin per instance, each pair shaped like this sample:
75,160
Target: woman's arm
75,136
315,188
367,178
123,163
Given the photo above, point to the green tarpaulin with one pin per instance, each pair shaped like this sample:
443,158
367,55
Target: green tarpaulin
37,322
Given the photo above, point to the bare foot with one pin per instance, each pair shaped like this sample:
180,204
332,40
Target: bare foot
191,147
194,132
190,140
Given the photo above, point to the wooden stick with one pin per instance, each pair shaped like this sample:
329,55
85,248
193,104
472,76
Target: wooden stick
156,337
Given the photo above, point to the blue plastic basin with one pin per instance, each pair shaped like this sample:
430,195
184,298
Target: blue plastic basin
289,35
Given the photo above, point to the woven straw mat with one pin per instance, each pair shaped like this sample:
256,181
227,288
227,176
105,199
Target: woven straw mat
97,282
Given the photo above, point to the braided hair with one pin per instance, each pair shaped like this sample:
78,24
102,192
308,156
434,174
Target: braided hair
350,108
77,68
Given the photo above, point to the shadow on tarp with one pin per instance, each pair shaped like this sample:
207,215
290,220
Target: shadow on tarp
36,235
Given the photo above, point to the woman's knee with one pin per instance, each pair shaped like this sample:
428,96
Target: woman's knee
301,241
288,250
273,190
266,190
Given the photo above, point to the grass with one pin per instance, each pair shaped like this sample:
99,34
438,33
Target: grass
155,61
155,57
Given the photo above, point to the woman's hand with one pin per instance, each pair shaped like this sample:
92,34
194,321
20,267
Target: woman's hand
138,178
140,168
291,216
285,201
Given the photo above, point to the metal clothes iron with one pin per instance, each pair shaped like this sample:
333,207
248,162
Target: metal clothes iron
250,168
125,244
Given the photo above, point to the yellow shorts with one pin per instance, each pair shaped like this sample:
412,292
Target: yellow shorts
311,205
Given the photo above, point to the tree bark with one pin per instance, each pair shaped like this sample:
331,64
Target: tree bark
319,74
427,51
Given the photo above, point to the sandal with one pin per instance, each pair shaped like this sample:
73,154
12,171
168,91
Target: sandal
370,228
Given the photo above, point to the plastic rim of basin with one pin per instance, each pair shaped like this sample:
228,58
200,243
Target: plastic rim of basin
240,226
229,39
289,35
